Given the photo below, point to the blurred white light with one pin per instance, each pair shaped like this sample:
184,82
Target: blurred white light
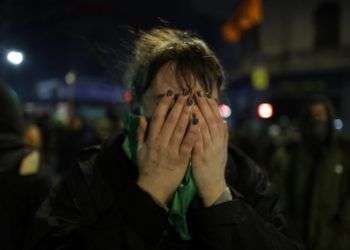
15,57
338,124
274,130
70,78
338,169
265,110
225,111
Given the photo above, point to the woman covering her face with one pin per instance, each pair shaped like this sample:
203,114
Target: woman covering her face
171,180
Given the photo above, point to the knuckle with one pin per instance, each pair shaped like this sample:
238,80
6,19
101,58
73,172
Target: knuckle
214,124
177,137
164,100
155,116
155,146
211,119
171,148
171,119
180,127
185,112
217,122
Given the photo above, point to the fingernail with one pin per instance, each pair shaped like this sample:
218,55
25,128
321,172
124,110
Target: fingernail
199,93
176,96
169,92
190,101
186,92
194,119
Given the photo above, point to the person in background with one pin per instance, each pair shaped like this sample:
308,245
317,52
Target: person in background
170,180
47,131
22,187
33,136
313,175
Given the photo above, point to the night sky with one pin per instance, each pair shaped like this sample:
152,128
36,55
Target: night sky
93,37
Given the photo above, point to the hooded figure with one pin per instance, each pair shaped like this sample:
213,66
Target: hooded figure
21,186
314,177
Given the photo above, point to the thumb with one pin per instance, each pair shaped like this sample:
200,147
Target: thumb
141,131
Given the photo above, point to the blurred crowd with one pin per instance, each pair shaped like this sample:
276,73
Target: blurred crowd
306,161
35,152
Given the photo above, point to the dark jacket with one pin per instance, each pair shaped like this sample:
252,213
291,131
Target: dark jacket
312,175
316,193
99,206
20,197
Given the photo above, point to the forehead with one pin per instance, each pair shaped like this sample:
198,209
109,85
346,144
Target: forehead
166,78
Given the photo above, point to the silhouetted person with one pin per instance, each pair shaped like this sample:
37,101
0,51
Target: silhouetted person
22,187
314,177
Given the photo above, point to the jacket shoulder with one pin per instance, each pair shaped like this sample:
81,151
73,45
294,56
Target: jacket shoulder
245,174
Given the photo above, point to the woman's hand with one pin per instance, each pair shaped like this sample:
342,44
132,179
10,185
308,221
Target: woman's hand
209,156
164,155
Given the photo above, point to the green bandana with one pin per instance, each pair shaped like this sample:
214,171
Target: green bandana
184,193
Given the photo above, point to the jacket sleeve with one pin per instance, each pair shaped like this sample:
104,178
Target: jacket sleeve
81,213
238,225
255,220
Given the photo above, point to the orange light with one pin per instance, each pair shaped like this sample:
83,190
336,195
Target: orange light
248,14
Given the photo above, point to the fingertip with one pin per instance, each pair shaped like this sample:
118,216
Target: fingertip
142,121
226,125
141,129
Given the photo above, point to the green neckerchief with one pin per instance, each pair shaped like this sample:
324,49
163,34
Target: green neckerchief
184,193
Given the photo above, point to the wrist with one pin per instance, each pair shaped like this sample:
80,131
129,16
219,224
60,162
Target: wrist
224,197
156,192
211,193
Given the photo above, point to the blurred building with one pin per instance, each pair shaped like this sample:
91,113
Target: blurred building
301,48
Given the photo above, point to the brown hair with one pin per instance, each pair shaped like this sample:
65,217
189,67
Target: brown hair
190,54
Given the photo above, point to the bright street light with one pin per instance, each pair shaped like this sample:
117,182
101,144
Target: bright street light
15,57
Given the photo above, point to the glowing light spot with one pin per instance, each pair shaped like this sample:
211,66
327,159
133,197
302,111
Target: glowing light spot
127,96
15,57
338,124
71,77
265,110
225,111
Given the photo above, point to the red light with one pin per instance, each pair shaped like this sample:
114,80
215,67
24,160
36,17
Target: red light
127,96
265,110
225,111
